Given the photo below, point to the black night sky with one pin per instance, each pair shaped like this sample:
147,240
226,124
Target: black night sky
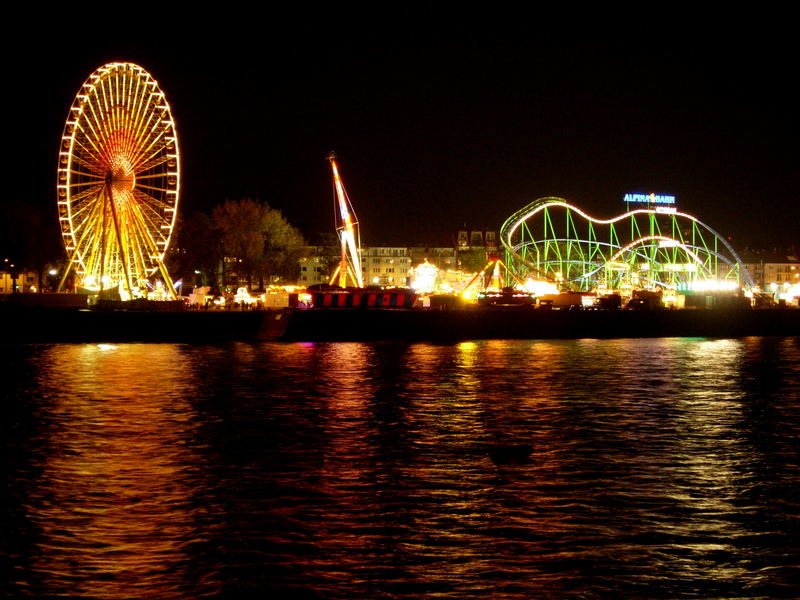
439,125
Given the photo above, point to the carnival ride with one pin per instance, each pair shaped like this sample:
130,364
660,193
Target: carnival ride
551,240
118,182
494,275
348,231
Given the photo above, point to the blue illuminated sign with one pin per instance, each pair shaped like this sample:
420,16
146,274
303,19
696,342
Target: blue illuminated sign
649,199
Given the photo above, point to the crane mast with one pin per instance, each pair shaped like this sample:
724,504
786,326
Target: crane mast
348,232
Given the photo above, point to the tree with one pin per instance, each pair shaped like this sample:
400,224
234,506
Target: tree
330,252
259,238
472,260
198,249
240,226
283,247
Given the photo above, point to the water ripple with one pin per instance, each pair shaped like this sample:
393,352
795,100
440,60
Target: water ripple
661,468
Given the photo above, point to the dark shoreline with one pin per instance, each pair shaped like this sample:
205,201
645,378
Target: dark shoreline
537,324
47,325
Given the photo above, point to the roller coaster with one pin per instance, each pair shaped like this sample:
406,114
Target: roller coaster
651,246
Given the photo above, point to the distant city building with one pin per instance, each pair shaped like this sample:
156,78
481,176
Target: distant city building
474,247
477,238
441,258
316,264
393,266
386,266
7,282
25,281
772,268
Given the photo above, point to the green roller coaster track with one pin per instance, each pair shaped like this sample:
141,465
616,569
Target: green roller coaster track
553,240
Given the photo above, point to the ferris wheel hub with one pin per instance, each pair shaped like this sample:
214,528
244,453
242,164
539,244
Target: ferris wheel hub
121,180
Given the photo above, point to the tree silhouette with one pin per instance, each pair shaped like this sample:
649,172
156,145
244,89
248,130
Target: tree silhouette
257,241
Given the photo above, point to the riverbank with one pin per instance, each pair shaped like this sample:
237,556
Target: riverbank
47,325
43,325
525,323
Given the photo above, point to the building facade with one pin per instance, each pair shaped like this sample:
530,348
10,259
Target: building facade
444,259
773,269
474,247
393,266
18,281
386,266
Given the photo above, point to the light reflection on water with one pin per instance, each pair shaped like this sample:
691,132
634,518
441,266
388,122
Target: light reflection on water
111,504
649,468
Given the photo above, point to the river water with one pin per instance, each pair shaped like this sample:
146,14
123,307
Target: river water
631,468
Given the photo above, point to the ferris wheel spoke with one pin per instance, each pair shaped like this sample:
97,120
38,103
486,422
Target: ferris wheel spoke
99,137
142,126
157,205
80,184
153,176
145,233
83,215
149,150
154,203
128,119
153,188
83,219
94,176
91,233
86,218
77,195
78,200
152,164
139,106
143,212
110,131
92,153
143,115
106,103
153,220
147,248
89,167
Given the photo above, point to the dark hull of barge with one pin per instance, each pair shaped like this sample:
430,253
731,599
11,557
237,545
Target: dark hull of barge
527,323
46,325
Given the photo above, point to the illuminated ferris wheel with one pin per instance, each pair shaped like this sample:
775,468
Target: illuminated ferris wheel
118,181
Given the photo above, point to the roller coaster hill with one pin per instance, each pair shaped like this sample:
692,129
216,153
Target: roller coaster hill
652,254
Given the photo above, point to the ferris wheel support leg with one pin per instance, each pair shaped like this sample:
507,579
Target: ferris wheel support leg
167,281
67,271
119,242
